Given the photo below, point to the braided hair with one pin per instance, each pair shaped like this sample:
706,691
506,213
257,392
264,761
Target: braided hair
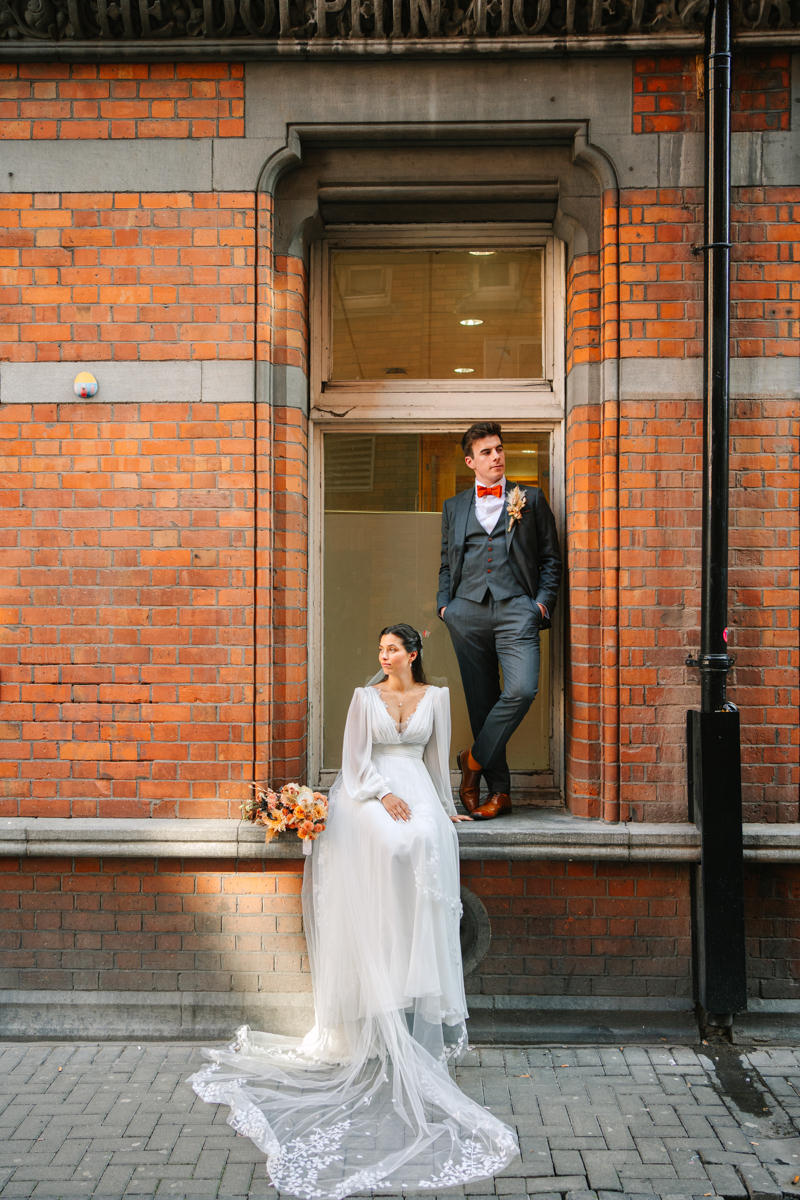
412,641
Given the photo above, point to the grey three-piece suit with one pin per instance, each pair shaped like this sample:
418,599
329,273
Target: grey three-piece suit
491,585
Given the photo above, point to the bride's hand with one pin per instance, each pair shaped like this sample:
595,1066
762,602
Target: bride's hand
397,809
458,817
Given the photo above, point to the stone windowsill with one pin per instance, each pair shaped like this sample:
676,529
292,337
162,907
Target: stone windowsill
528,833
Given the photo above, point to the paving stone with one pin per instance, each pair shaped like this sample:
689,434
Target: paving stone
163,1137
236,1177
70,1153
601,1169
194,1190
567,1183
491,1057
114,1180
732,1138
616,1133
119,1122
567,1141
554,1116
567,1162
651,1149
760,1183
726,1181
628,1196
613,1062
66,1189
687,1163
678,1196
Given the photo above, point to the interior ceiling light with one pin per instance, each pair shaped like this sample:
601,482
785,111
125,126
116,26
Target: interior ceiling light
471,321
481,253
463,370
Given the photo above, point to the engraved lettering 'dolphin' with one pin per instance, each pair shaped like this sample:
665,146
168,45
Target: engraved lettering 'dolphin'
339,23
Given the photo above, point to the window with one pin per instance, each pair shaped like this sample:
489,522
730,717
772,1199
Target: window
415,328
381,565
414,334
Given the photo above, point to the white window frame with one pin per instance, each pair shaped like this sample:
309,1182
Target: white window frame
434,406
458,398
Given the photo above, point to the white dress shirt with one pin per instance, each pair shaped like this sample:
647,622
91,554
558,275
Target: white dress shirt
488,508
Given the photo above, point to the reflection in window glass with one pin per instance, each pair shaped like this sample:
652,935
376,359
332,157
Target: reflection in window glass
436,314
383,499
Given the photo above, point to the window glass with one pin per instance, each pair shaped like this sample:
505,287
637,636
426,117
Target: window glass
436,314
383,499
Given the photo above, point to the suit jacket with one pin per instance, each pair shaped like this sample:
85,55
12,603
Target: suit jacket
532,547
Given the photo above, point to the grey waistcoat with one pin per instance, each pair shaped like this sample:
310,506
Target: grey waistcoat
486,567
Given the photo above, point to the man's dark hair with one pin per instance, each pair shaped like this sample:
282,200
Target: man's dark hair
478,430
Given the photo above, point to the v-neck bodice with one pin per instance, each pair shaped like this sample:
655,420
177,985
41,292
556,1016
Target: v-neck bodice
402,727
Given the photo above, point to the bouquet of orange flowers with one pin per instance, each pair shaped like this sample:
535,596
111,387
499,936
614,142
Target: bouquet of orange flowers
293,807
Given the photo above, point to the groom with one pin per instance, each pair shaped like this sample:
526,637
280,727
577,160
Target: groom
497,588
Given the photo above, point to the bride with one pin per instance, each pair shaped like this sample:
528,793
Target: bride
365,1102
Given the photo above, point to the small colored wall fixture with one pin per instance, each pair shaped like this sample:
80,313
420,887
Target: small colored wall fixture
85,384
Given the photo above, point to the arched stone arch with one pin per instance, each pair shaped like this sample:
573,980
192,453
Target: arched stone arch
546,171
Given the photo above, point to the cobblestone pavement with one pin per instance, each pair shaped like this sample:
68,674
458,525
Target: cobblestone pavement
109,1121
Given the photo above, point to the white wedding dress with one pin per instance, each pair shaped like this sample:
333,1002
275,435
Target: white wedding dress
365,1101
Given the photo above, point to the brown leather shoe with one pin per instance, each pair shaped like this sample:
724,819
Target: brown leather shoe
497,804
469,790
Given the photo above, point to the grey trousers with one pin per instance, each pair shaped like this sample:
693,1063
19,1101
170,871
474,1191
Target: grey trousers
487,637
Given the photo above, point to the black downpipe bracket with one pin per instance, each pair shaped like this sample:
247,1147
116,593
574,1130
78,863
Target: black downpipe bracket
713,745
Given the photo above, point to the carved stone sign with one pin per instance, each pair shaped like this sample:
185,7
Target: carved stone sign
314,21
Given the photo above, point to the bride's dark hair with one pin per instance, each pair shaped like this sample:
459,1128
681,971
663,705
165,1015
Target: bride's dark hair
412,641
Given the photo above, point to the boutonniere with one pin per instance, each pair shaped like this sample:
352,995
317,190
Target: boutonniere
515,505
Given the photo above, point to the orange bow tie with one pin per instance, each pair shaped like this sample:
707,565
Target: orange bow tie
497,490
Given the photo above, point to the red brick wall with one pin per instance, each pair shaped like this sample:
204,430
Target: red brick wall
127,276
576,929
581,602
583,929
657,448
765,274
144,925
764,542
659,581
668,92
146,276
290,597
661,298
282,699
772,892
154,655
579,929
127,598
583,310
290,313
121,100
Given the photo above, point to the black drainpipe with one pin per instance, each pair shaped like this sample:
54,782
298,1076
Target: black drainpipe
713,747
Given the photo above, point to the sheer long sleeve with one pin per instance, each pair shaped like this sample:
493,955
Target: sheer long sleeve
437,752
359,776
